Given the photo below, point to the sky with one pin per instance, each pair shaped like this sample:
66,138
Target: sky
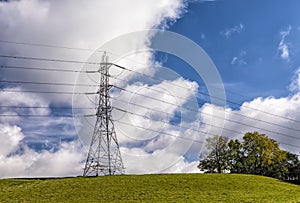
248,48
254,44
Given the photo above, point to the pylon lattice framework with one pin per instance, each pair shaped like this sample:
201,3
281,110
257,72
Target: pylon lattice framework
104,157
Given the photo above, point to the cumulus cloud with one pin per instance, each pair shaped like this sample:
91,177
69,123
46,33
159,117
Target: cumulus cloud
65,162
283,46
13,101
35,146
152,162
10,138
166,101
145,131
65,24
276,117
74,24
228,32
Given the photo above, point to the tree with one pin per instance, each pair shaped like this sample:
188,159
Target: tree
262,155
216,160
235,157
255,154
292,163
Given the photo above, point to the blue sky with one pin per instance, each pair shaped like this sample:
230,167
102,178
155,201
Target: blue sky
242,38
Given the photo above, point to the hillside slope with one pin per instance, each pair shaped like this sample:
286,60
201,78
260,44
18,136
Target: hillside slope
151,188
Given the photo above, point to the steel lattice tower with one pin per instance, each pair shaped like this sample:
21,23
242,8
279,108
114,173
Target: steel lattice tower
104,157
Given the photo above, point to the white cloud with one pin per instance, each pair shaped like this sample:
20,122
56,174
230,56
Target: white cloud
17,159
183,166
283,46
152,163
10,96
286,131
240,59
141,148
74,24
67,161
10,137
33,126
234,60
295,84
169,100
228,32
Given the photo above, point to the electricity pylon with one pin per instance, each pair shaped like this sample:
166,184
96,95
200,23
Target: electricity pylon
104,157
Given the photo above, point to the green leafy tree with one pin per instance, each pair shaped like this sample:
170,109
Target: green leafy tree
255,154
292,163
216,160
262,155
235,157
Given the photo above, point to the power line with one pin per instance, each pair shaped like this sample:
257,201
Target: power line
45,107
136,126
200,131
82,108
229,120
46,92
28,115
68,134
48,59
160,80
87,49
83,62
206,94
47,45
46,83
66,84
124,68
67,47
92,115
37,115
234,113
47,69
55,92
173,115
185,118
195,130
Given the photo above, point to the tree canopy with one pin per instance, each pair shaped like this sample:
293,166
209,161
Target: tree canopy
255,154
217,158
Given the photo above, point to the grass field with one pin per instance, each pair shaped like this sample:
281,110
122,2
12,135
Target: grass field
151,188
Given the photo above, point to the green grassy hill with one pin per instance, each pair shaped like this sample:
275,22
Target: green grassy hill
151,188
